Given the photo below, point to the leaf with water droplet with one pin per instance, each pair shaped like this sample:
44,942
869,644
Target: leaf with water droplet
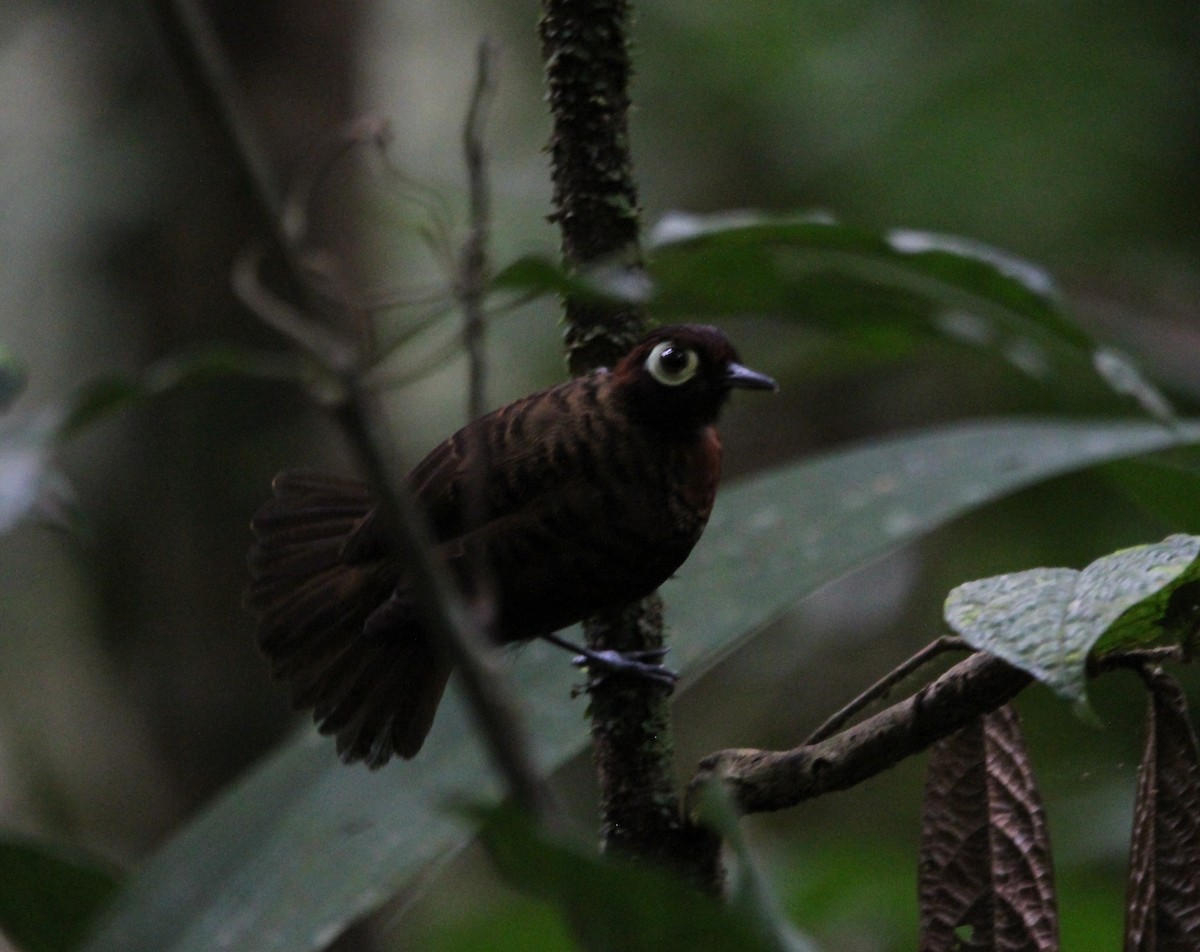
1124,376
1048,620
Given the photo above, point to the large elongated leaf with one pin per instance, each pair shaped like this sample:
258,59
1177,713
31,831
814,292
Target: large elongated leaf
302,845
773,263
893,286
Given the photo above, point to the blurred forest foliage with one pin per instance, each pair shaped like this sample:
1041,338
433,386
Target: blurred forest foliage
130,690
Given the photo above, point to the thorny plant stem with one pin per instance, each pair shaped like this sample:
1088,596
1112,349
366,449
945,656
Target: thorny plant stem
587,66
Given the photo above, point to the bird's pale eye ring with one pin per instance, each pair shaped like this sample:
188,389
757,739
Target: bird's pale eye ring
671,364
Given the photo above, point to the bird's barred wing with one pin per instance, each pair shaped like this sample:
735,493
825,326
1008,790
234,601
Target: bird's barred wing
509,451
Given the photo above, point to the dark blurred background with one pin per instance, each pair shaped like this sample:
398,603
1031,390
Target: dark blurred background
1064,132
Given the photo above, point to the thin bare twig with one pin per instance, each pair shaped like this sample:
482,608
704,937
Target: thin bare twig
201,59
585,49
1137,659
204,66
881,687
298,201
471,287
473,274
312,336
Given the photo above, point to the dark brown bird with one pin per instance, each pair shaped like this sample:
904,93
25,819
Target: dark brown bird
593,494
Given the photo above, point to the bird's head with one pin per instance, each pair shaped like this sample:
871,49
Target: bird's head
678,377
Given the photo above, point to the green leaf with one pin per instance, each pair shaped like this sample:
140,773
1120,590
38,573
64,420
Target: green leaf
534,275
926,265
861,283
1048,621
50,895
889,288
107,395
619,906
513,924
751,894
302,845
1169,488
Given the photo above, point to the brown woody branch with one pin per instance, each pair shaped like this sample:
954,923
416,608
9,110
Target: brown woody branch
762,781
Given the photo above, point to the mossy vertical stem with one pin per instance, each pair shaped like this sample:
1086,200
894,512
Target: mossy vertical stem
585,49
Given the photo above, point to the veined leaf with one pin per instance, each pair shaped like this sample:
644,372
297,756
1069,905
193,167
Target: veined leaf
985,848
303,845
614,905
1047,621
1163,894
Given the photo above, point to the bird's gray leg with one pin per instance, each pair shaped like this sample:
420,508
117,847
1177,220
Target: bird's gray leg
605,664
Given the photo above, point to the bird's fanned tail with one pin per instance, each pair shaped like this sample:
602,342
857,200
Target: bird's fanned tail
377,693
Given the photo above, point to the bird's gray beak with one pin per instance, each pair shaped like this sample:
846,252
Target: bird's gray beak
746,379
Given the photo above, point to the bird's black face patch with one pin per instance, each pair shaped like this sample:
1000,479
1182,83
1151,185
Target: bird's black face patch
677,378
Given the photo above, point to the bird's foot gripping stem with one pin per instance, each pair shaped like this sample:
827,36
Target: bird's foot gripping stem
604,665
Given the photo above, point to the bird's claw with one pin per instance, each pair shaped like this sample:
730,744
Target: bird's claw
603,665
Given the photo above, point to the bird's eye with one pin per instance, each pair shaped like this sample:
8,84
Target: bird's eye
671,364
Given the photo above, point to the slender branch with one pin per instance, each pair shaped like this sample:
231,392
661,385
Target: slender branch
202,61
584,47
761,781
372,131
881,687
311,336
471,287
473,275
1138,659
